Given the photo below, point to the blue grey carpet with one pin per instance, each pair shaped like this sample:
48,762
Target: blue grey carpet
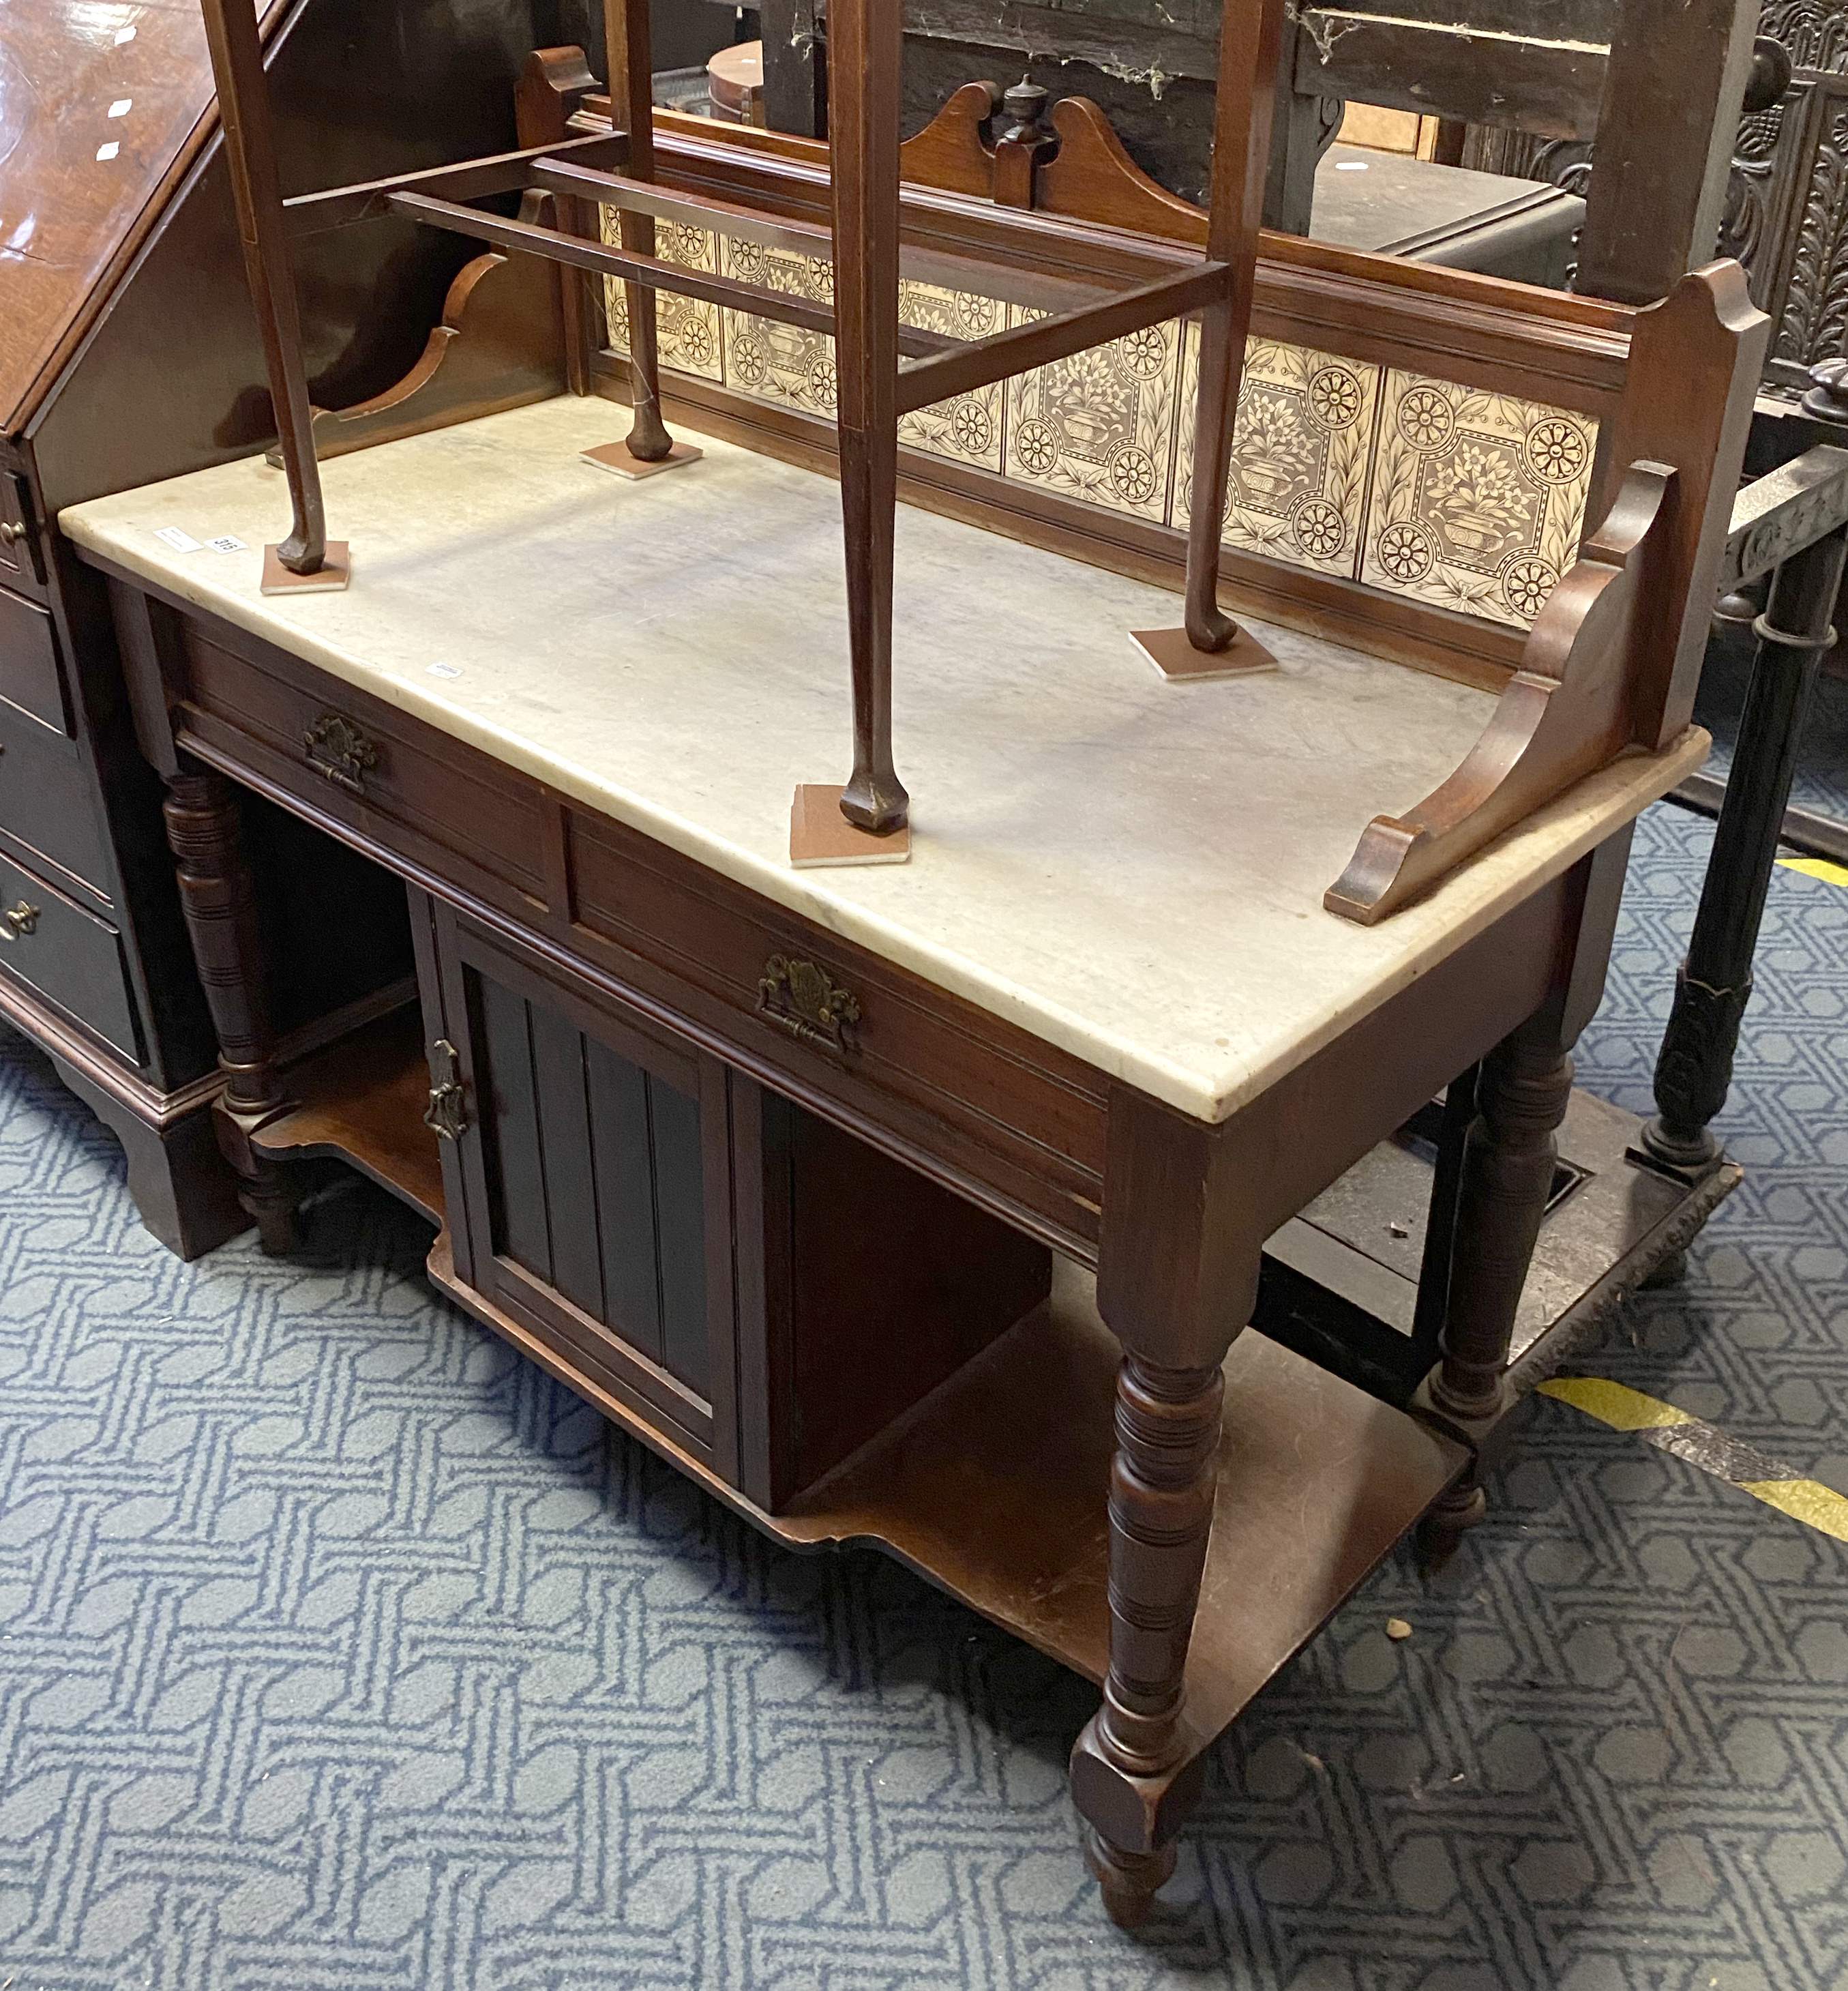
339,1647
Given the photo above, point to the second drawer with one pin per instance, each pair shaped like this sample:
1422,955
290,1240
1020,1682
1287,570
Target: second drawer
46,803
52,943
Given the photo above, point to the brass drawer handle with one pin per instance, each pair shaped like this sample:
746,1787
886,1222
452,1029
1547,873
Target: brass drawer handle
447,1112
19,920
798,997
342,751
11,534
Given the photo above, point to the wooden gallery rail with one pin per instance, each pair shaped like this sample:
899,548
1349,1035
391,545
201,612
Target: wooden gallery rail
863,244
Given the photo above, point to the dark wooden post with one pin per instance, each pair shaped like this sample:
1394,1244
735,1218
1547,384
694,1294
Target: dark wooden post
243,103
632,108
1674,85
218,901
865,40
1249,39
1508,1157
1522,1089
1713,983
1178,1278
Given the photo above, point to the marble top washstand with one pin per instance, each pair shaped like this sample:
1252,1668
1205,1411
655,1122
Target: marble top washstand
1129,868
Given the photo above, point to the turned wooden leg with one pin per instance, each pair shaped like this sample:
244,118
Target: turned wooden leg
219,901
863,123
1135,1772
1713,984
1508,1163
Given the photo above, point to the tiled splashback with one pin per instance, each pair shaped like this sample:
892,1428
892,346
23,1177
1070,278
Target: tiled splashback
1469,500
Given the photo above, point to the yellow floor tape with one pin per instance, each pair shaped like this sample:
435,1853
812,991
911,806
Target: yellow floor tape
1704,1444
1817,867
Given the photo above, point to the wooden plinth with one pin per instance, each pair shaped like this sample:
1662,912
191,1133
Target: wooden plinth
329,578
1177,660
614,456
362,1101
820,835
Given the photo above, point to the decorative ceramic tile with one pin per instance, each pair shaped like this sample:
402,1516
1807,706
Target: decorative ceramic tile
1477,499
1301,448
1100,426
687,329
968,427
780,363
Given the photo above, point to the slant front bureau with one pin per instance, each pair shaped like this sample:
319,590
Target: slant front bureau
803,1174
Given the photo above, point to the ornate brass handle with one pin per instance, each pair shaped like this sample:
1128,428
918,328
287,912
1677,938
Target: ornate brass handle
798,997
342,751
448,1111
19,920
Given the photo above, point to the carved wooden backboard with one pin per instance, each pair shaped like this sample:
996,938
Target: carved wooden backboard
1787,218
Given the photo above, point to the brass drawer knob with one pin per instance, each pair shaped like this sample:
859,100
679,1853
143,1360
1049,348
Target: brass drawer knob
345,754
19,920
446,1113
10,533
800,998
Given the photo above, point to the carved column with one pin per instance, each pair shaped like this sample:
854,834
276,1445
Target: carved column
1713,983
1509,1159
1162,1486
217,897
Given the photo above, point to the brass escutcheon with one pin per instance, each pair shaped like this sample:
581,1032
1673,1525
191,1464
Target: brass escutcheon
447,1112
799,997
342,751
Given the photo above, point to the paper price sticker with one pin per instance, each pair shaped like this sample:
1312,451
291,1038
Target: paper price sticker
181,542
228,543
443,670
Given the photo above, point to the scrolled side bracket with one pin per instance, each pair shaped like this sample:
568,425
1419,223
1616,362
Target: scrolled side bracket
1567,711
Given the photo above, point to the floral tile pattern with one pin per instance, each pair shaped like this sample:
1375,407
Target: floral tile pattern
1478,498
1302,448
1471,501
780,363
966,428
687,329
1100,426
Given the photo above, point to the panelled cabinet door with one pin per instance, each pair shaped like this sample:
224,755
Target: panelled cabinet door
587,1173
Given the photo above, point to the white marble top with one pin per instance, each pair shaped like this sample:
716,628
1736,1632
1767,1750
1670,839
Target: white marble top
1130,870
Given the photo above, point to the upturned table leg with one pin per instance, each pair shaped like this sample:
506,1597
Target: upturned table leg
1135,1772
864,45
1509,1159
218,899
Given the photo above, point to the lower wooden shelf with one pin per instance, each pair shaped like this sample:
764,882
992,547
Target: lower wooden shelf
993,1488
362,1100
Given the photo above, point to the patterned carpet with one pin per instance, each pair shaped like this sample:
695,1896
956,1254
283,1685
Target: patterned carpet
338,1648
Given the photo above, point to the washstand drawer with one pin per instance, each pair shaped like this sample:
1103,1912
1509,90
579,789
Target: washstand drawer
852,1028
29,676
46,803
68,955
334,747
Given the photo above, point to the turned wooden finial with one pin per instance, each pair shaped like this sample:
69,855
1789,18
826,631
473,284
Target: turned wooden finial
1024,143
